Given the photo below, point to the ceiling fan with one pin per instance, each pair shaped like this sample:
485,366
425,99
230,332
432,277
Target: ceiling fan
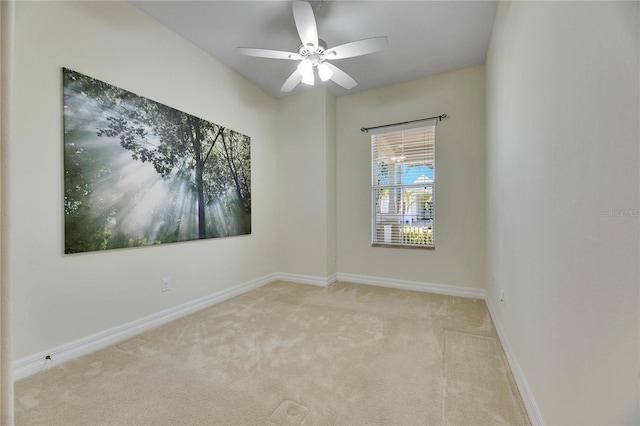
313,52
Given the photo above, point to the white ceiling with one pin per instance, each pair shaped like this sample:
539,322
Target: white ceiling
425,37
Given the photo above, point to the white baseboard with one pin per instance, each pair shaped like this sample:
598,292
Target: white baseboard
35,363
535,416
306,279
449,290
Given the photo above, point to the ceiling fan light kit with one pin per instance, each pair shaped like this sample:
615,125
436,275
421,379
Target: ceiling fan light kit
313,53
324,72
305,68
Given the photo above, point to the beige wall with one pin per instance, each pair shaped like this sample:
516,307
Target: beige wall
562,150
59,298
459,258
331,217
306,165
6,349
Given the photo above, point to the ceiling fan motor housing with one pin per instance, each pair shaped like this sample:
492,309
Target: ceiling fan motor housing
310,49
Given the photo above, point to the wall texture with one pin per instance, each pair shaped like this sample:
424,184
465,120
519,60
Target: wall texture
6,329
59,298
563,200
331,218
306,164
459,257
537,198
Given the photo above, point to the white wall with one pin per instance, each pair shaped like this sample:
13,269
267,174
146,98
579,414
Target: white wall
59,298
306,163
459,258
562,161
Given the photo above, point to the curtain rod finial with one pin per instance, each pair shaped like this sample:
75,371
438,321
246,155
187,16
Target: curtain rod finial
364,129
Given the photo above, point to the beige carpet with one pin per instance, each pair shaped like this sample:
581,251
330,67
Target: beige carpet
291,354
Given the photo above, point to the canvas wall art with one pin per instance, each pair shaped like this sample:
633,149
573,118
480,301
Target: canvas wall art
140,173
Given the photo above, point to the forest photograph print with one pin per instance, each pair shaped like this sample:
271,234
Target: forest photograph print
140,173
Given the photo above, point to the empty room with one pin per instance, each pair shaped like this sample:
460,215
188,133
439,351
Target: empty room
320,212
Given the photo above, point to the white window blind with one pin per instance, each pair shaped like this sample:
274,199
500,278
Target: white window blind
403,188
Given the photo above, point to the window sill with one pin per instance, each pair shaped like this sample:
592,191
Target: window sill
403,246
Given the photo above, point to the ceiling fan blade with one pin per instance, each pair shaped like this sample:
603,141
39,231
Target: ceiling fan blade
266,53
305,22
291,83
340,77
357,48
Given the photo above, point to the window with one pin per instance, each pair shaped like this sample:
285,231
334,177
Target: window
403,189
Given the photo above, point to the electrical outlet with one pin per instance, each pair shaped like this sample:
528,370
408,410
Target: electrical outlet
165,284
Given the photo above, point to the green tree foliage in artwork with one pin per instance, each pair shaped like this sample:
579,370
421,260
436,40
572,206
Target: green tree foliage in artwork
83,230
213,160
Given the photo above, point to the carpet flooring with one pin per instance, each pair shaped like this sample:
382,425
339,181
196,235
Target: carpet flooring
291,354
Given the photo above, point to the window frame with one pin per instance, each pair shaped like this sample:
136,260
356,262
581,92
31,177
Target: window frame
402,224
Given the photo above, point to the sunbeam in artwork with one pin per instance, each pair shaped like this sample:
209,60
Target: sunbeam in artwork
141,173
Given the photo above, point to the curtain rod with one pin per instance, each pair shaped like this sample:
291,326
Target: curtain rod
439,117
